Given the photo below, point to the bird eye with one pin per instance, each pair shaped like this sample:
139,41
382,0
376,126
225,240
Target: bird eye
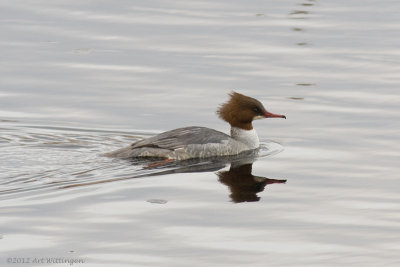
257,109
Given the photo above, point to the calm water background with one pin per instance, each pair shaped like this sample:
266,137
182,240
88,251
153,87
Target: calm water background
80,78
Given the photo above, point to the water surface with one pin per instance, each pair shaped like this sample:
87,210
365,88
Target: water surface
79,79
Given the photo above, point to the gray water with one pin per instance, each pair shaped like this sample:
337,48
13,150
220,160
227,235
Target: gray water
81,78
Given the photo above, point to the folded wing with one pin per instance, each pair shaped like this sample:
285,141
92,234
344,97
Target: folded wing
179,138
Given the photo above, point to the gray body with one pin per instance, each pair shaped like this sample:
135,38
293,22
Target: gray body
184,143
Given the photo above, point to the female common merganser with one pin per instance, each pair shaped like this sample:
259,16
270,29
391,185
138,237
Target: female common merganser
201,142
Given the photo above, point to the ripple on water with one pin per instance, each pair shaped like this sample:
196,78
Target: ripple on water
43,158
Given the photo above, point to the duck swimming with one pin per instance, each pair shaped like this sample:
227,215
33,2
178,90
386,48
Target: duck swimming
201,142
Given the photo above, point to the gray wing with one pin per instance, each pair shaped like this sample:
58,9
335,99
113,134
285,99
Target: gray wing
182,137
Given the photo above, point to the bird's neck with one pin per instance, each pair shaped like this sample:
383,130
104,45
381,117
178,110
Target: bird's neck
248,137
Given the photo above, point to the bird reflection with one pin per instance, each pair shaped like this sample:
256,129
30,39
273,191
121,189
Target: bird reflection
243,185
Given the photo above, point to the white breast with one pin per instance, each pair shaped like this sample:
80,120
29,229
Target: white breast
248,137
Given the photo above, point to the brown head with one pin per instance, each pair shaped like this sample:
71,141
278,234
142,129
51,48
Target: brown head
241,110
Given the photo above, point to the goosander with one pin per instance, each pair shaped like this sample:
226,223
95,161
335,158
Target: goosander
201,142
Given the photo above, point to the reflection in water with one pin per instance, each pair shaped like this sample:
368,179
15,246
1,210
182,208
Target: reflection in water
243,185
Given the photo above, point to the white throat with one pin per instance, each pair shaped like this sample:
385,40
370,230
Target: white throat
248,137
